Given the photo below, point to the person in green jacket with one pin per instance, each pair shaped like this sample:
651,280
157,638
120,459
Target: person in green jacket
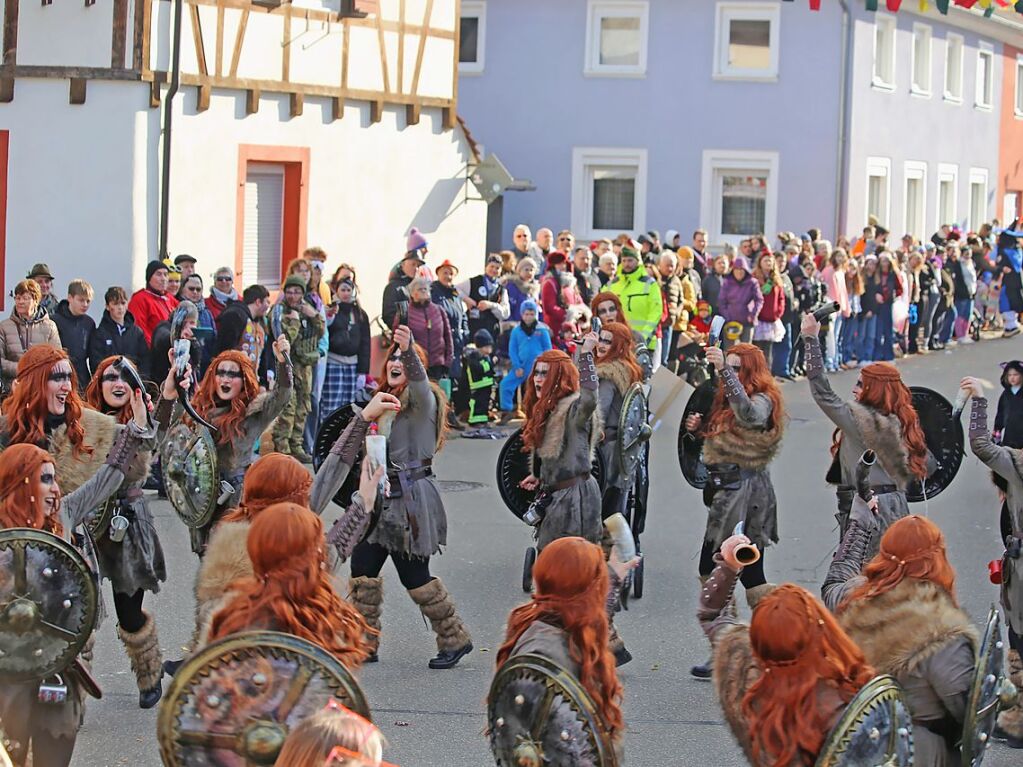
640,296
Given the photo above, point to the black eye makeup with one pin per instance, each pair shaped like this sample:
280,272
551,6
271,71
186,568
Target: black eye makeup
59,377
47,478
111,378
233,375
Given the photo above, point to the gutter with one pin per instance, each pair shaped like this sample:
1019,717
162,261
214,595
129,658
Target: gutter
842,176
168,124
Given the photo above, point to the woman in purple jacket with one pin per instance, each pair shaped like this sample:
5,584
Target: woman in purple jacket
430,329
740,299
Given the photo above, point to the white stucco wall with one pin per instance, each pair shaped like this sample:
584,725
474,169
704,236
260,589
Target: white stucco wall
77,195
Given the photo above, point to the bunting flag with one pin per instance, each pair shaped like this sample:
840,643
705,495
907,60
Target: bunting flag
988,6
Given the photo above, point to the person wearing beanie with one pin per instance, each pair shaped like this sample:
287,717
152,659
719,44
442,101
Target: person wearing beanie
430,329
152,305
304,325
529,339
487,298
558,292
641,298
416,243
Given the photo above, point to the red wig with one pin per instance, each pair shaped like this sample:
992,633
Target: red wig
26,408
562,380
607,295
756,378
94,392
913,547
290,590
272,478
397,390
799,645
19,504
623,349
884,391
571,588
205,400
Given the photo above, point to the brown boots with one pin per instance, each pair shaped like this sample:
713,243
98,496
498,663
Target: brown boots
453,640
367,596
1010,721
143,648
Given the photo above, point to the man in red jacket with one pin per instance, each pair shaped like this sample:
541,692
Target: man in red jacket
152,305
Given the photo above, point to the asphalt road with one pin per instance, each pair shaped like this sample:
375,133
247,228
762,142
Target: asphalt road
434,718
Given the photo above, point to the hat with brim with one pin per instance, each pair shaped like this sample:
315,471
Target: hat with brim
446,263
39,270
184,258
295,281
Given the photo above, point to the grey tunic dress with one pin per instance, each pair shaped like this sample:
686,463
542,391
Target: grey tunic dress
21,713
412,520
1008,464
752,501
610,409
566,453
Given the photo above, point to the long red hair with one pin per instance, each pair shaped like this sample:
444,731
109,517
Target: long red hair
94,392
20,505
562,380
607,295
622,349
290,590
272,478
913,547
26,408
571,587
799,645
756,378
229,424
442,401
884,391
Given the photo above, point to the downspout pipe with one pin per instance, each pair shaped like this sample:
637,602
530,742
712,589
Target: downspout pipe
168,124
842,176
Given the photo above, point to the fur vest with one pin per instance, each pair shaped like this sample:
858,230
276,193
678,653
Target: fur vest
902,628
552,444
883,434
226,560
386,422
749,448
72,471
618,373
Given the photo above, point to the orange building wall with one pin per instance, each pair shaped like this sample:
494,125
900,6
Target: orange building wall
1010,155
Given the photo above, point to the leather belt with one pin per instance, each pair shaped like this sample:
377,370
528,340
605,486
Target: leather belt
883,489
731,468
567,483
408,473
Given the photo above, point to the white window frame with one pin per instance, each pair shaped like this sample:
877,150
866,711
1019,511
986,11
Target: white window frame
884,19
977,176
914,170
984,50
716,160
728,11
600,9
584,160
882,168
1018,90
925,88
947,172
960,45
478,10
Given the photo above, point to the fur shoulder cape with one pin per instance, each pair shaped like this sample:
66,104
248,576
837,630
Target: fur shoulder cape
883,434
904,627
552,444
386,422
749,448
226,560
617,373
74,471
734,673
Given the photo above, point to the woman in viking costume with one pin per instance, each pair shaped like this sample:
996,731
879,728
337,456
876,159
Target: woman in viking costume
607,307
563,430
902,612
742,435
290,589
135,564
30,496
784,680
1006,463
229,398
882,419
566,622
617,371
412,525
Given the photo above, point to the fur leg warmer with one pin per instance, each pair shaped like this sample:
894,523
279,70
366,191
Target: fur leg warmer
438,607
1011,719
143,648
367,596
755,594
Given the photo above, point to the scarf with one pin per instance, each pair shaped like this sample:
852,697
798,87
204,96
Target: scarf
527,329
223,297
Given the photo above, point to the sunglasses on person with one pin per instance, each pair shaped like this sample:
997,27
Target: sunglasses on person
225,279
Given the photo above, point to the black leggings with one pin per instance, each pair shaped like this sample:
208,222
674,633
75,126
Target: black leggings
368,560
129,612
752,575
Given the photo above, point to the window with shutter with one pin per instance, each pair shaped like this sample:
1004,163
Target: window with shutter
264,224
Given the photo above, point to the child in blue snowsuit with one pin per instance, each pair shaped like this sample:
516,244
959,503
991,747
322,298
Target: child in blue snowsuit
529,339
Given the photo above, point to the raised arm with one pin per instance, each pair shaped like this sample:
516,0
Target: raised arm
339,461
282,392
583,409
844,574
78,504
751,412
833,406
714,598
995,457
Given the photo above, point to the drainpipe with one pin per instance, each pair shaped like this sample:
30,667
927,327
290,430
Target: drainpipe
168,117
842,176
